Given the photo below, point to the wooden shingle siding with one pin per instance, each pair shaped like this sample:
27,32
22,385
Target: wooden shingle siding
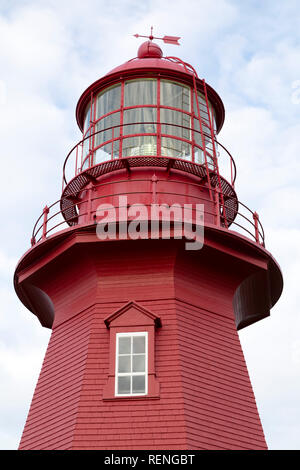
53,411
205,398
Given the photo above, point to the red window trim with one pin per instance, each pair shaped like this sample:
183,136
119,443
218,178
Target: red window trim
147,322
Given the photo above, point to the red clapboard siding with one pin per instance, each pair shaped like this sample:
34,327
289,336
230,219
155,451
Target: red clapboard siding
134,423
205,399
220,408
52,415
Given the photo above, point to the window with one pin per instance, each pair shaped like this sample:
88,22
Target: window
174,95
87,119
131,363
108,100
139,92
149,117
132,374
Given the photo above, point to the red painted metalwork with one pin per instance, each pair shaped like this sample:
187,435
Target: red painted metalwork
45,213
166,39
189,304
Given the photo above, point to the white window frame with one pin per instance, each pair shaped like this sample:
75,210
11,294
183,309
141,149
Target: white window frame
131,374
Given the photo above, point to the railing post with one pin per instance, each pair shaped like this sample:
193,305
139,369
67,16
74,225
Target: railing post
89,189
45,212
255,218
217,206
154,180
32,241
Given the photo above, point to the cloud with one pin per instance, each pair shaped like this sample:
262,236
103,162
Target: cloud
250,53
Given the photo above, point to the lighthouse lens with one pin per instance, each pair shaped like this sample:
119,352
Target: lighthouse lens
136,146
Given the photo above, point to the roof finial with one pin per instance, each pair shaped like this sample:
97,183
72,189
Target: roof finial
151,34
167,39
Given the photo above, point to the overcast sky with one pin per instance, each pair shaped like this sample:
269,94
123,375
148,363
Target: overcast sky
250,53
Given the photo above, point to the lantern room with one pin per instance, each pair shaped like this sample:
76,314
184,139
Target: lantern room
162,112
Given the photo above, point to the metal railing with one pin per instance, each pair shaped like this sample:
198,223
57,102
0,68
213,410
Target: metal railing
52,220
83,155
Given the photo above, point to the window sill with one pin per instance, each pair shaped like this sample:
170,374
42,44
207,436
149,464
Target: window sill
142,397
153,390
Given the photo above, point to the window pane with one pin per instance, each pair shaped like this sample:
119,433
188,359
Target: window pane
86,147
111,131
109,101
174,95
203,111
144,145
87,119
141,115
138,363
138,92
124,385
138,384
124,364
175,148
182,121
200,158
106,152
138,344
124,345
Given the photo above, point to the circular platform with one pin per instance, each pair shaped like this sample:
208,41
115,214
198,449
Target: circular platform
79,182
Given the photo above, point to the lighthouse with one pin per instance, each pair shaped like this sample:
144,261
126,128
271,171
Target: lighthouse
145,269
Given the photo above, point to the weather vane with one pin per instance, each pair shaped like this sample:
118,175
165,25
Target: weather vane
166,39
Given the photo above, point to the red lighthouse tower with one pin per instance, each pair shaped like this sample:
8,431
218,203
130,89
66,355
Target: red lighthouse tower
144,351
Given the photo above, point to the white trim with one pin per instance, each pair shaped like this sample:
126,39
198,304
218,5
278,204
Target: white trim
131,374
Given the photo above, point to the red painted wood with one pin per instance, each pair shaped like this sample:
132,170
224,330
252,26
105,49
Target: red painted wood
200,395
205,398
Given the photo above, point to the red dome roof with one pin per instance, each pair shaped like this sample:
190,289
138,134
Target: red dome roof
149,49
150,61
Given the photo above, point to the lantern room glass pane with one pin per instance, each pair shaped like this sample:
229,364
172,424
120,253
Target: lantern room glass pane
199,155
201,135
107,152
108,101
200,158
143,145
199,138
109,128
175,148
139,92
146,116
86,145
181,121
174,95
87,118
203,112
